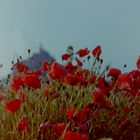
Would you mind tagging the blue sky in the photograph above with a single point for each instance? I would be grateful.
(113, 24)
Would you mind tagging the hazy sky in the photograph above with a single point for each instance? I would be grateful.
(114, 24)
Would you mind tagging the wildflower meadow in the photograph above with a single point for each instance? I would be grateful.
(80, 99)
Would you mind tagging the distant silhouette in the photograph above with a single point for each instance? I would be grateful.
(35, 60)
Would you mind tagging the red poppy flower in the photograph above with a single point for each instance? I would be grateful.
(59, 128)
(99, 98)
(31, 81)
(135, 73)
(138, 63)
(57, 71)
(13, 105)
(103, 85)
(16, 82)
(97, 51)
(136, 82)
(66, 56)
(114, 72)
(83, 52)
(20, 67)
(71, 80)
(125, 81)
(70, 67)
(83, 115)
(22, 124)
(72, 135)
(83, 81)
(82, 72)
(70, 113)
(45, 65)
(92, 79)
(79, 63)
